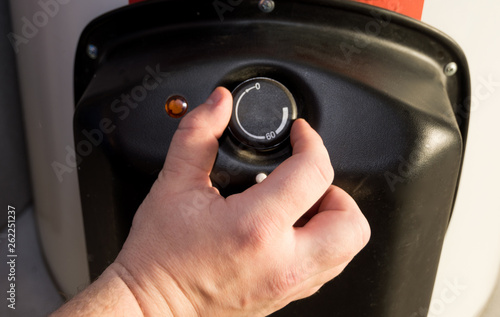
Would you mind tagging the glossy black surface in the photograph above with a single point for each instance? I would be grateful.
(369, 81)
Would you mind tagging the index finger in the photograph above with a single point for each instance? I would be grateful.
(299, 182)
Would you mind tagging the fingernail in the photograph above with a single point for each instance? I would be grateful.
(215, 97)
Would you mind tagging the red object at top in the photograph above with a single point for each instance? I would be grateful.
(411, 8)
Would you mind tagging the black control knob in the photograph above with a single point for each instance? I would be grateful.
(263, 113)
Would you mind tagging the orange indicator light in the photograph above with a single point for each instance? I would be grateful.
(176, 106)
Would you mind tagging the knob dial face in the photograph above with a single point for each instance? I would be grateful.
(263, 113)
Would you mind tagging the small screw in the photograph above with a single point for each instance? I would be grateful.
(450, 69)
(92, 51)
(266, 5)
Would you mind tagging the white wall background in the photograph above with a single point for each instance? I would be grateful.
(471, 256)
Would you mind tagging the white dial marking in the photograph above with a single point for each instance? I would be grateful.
(238, 117)
(258, 137)
(283, 121)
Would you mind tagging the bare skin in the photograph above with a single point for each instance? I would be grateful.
(192, 252)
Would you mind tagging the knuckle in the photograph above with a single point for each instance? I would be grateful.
(253, 230)
(283, 282)
(252, 233)
(335, 257)
(327, 253)
(334, 251)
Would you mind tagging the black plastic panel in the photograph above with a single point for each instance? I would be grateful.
(369, 81)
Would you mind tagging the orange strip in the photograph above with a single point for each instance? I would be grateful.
(411, 8)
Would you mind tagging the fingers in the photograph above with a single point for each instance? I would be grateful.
(194, 145)
(294, 186)
(335, 234)
(329, 241)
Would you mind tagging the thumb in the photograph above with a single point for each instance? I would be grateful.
(194, 145)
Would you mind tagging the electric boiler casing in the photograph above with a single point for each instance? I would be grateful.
(375, 85)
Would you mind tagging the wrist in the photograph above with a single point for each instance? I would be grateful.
(155, 294)
(123, 298)
(109, 295)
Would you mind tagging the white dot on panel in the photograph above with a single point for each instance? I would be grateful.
(260, 178)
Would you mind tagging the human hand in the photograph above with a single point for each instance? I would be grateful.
(192, 252)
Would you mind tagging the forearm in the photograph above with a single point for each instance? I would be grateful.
(107, 296)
